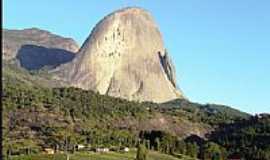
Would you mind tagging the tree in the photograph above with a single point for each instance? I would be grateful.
(168, 143)
(181, 147)
(157, 142)
(9, 151)
(141, 152)
(212, 151)
(192, 149)
(148, 144)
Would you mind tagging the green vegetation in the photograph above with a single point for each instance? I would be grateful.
(246, 138)
(36, 115)
(212, 114)
(14, 74)
(212, 150)
(192, 149)
(97, 156)
(141, 152)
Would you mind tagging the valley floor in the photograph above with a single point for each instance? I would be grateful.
(100, 156)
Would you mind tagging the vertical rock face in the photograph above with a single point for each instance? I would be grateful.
(124, 56)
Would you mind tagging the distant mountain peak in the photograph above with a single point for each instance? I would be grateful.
(36, 48)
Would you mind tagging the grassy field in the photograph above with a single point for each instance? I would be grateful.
(99, 156)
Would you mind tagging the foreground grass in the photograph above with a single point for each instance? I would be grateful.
(99, 156)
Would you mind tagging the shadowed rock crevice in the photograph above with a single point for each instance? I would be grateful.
(34, 57)
(168, 67)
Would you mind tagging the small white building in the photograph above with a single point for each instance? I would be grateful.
(126, 149)
(80, 146)
(49, 150)
(102, 150)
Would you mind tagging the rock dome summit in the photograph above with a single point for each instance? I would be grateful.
(124, 56)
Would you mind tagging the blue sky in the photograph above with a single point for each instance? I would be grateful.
(221, 49)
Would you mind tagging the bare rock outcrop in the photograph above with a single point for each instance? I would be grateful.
(124, 56)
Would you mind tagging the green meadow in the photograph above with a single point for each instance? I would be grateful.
(101, 156)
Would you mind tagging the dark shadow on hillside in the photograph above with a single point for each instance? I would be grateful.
(34, 57)
(195, 139)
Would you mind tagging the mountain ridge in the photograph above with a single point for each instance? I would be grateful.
(35, 48)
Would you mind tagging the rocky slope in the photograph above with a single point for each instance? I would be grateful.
(125, 57)
(35, 48)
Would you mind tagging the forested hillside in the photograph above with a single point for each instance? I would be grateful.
(37, 115)
(247, 138)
